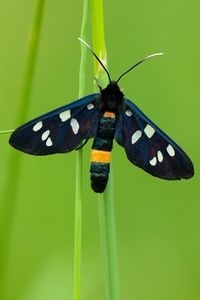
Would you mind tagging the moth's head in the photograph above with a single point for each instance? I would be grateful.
(112, 96)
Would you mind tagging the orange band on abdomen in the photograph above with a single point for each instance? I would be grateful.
(100, 156)
(109, 114)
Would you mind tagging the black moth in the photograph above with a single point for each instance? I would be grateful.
(105, 116)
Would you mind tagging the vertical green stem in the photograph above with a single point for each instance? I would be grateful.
(99, 40)
(9, 194)
(106, 201)
(108, 238)
(78, 196)
(78, 227)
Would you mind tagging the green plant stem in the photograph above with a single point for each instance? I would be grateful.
(6, 131)
(99, 46)
(106, 201)
(108, 238)
(9, 194)
(78, 196)
(78, 227)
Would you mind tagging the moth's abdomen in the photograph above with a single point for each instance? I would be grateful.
(101, 152)
(99, 169)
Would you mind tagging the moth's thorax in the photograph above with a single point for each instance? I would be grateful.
(111, 97)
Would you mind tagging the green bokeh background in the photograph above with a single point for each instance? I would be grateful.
(158, 222)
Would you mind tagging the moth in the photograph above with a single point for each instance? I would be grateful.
(105, 116)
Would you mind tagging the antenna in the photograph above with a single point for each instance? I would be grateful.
(138, 63)
(92, 51)
(131, 68)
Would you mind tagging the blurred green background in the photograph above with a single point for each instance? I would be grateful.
(158, 223)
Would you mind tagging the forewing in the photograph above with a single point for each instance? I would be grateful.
(60, 130)
(149, 147)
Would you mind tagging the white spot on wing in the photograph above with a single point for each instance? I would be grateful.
(170, 150)
(75, 126)
(90, 106)
(153, 161)
(149, 131)
(159, 156)
(128, 113)
(37, 126)
(65, 115)
(49, 142)
(45, 135)
(136, 136)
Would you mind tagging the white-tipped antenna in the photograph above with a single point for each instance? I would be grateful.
(138, 63)
(92, 51)
(109, 78)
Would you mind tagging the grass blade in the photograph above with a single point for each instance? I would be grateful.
(106, 201)
(78, 196)
(9, 194)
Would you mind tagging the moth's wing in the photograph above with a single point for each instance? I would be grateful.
(148, 147)
(60, 130)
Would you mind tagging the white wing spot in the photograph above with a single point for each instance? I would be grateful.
(153, 161)
(159, 156)
(65, 115)
(149, 131)
(37, 126)
(170, 150)
(75, 126)
(45, 135)
(128, 113)
(136, 136)
(49, 142)
(90, 106)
